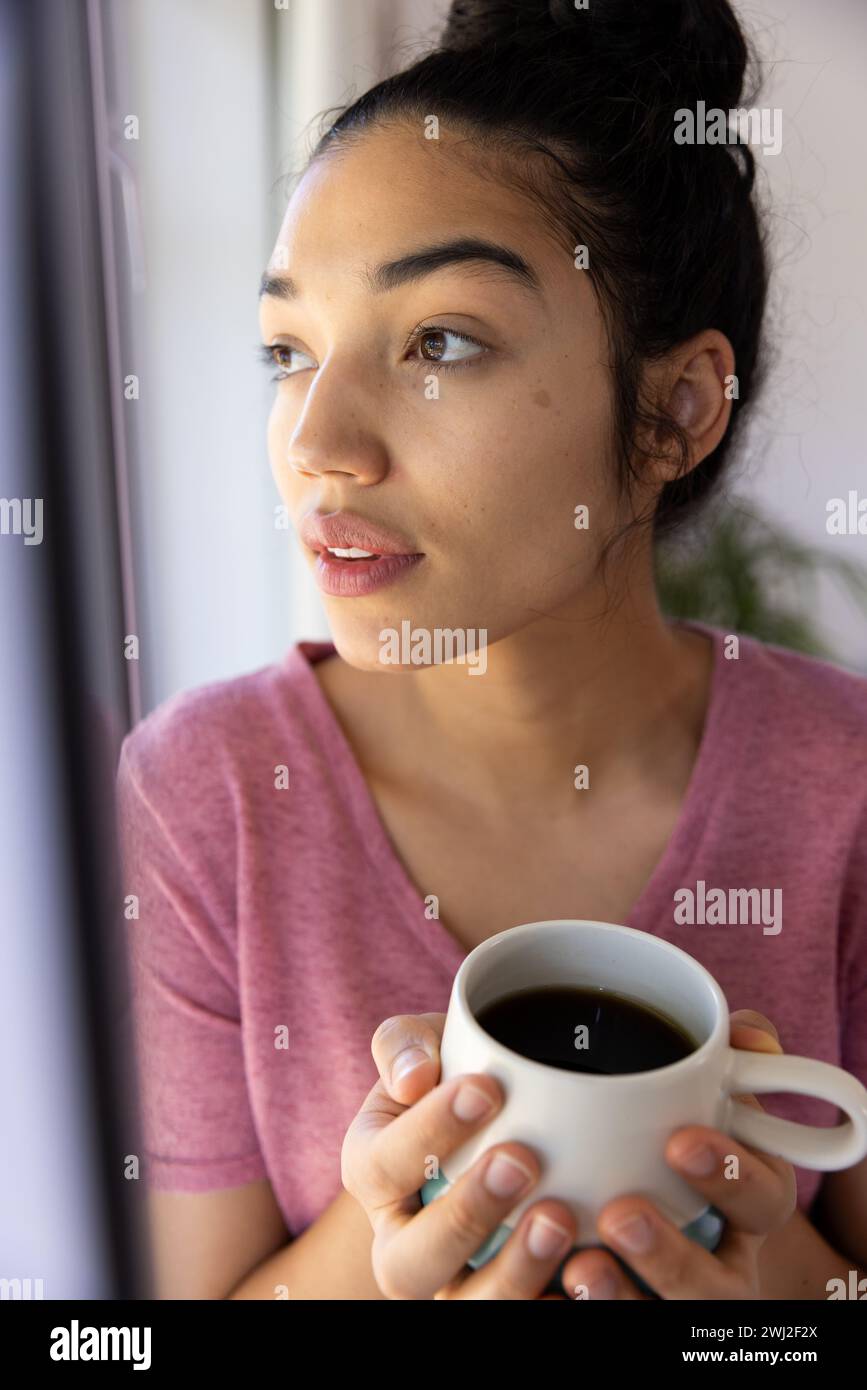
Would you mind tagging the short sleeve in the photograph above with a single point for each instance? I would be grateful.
(196, 1123)
(853, 1030)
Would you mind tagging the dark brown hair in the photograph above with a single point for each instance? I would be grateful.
(578, 107)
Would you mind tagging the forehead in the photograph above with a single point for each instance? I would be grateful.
(391, 189)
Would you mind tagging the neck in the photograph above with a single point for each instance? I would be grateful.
(609, 691)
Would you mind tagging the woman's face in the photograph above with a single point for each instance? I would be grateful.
(473, 455)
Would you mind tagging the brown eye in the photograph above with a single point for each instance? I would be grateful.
(435, 337)
(280, 355)
(432, 345)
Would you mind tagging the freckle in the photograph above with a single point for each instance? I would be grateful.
(541, 398)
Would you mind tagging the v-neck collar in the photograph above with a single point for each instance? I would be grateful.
(379, 847)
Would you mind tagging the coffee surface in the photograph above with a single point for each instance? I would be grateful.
(586, 1030)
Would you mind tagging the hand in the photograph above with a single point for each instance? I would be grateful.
(422, 1251)
(760, 1200)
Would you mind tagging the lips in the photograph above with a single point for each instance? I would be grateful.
(343, 531)
(388, 555)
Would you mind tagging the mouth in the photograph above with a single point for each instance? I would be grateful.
(356, 574)
(353, 553)
(354, 556)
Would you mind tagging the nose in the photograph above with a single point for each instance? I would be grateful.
(334, 432)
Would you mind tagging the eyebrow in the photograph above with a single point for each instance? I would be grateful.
(417, 264)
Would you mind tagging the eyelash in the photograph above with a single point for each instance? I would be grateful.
(267, 351)
(418, 333)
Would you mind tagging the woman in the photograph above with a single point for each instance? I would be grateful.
(515, 327)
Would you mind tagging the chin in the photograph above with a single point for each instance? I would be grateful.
(360, 647)
(394, 645)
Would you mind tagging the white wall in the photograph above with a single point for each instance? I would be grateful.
(810, 435)
(211, 568)
(227, 94)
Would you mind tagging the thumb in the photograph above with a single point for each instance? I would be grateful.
(406, 1051)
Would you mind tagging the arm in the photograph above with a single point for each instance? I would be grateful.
(839, 1216)
(797, 1261)
(232, 1243)
(202, 1243)
(329, 1260)
(840, 1211)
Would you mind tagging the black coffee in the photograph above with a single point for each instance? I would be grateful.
(589, 1030)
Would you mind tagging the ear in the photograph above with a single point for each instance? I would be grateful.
(692, 387)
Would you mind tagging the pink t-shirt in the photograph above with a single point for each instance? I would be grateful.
(278, 927)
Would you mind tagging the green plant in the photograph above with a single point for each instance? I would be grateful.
(744, 574)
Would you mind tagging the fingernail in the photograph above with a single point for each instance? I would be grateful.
(471, 1103)
(763, 1042)
(407, 1061)
(700, 1161)
(505, 1176)
(545, 1238)
(746, 1018)
(602, 1286)
(635, 1234)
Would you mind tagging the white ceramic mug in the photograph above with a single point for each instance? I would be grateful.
(599, 1137)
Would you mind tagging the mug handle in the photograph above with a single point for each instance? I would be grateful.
(812, 1146)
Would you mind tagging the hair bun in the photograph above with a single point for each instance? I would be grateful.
(683, 50)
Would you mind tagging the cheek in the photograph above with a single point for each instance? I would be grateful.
(516, 475)
(561, 436)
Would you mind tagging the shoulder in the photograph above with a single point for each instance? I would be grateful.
(797, 726)
(805, 693)
(206, 739)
